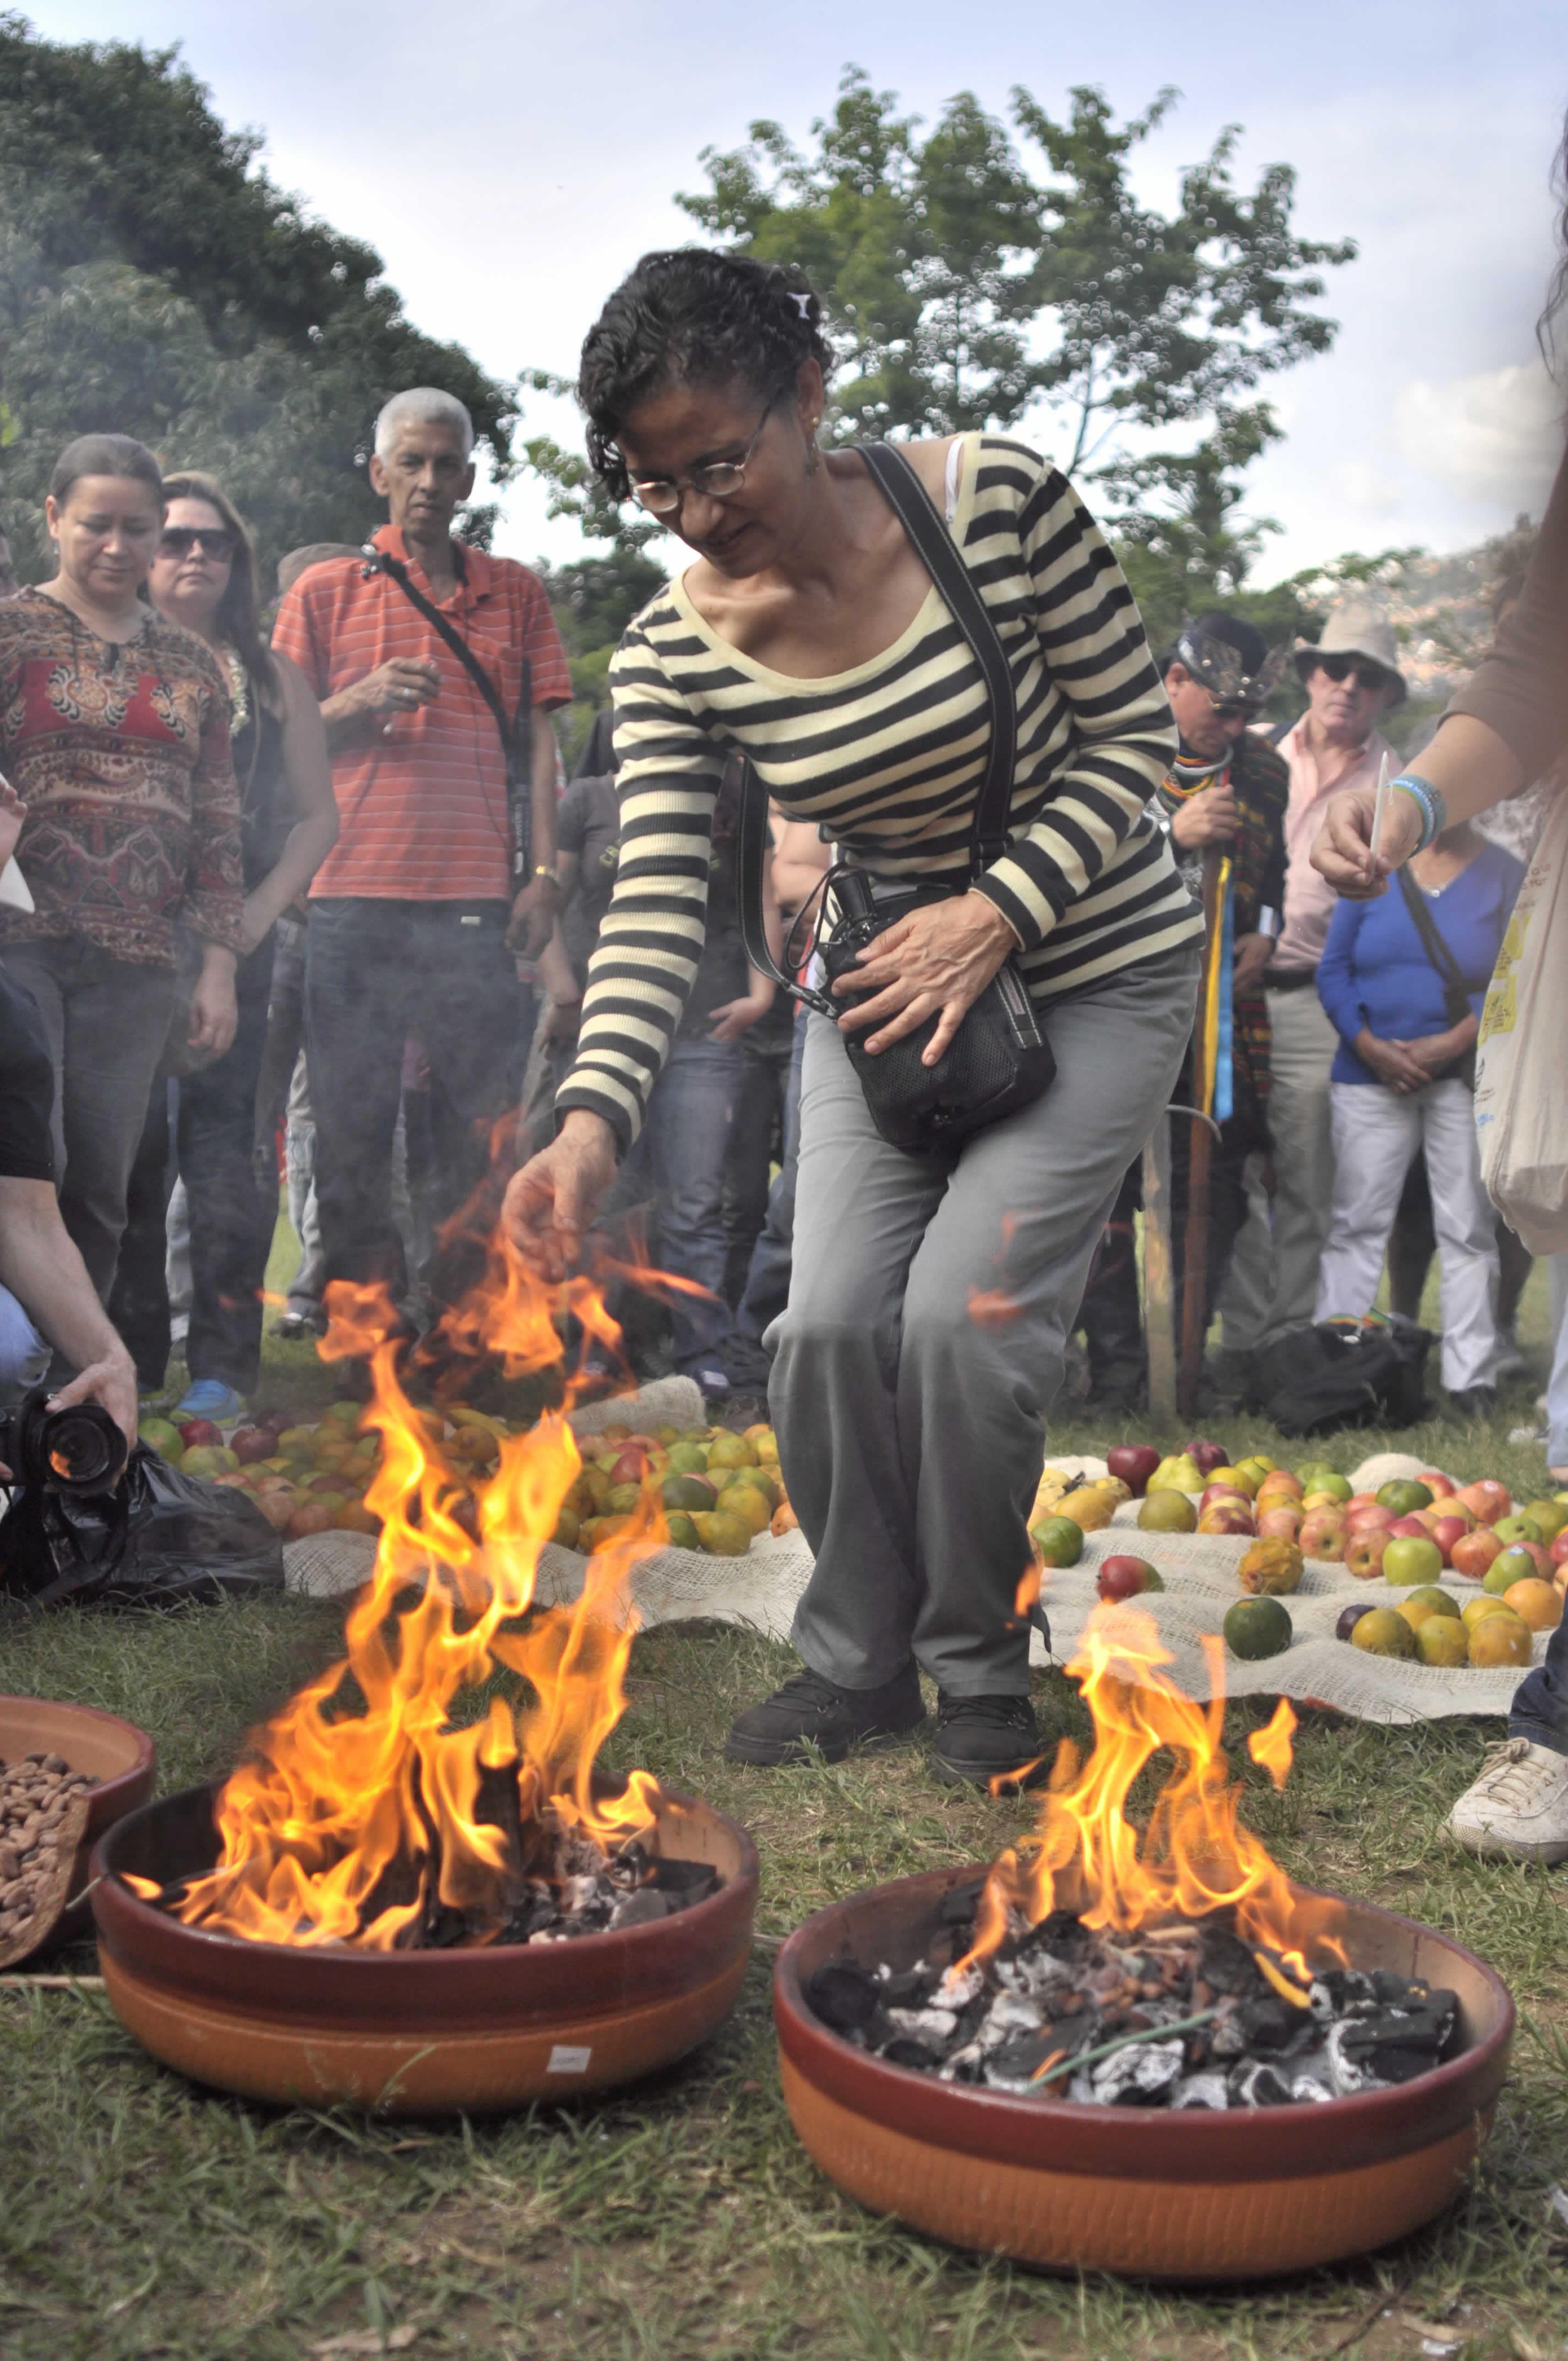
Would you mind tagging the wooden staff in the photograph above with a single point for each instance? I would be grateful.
(1195, 1249)
(1159, 1324)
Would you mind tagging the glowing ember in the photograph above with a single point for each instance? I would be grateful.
(388, 1827)
(1085, 1856)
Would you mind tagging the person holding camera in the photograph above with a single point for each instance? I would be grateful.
(932, 1286)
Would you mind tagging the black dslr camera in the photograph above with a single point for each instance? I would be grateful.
(79, 1450)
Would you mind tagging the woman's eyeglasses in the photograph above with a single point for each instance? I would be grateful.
(179, 540)
(718, 479)
(1367, 675)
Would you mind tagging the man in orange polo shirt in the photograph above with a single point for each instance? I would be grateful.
(418, 915)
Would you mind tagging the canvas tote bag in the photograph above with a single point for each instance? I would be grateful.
(1521, 1060)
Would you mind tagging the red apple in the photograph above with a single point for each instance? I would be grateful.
(1364, 1552)
(1473, 1553)
(194, 1431)
(1213, 1492)
(1133, 1464)
(251, 1443)
(1409, 1528)
(1361, 1500)
(1486, 1501)
(1281, 1522)
(1370, 1520)
(1557, 1551)
(631, 1466)
(1126, 1577)
(1436, 1481)
(1206, 1456)
(1226, 1517)
(1323, 1534)
(1446, 1532)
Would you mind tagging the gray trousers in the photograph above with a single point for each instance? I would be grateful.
(929, 1304)
(1273, 1279)
(106, 1021)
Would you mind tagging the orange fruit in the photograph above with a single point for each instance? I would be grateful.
(1536, 1603)
(1502, 1639)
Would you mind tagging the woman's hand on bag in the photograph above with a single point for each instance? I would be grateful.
(213, 1012)
(1392, 1062)
(941, 956)
(1342, 852)
(550, 1204)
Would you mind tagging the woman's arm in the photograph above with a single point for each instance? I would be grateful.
(1467, 762)
(1337, 986)
(315, 832)
(214, 900)
(738, 1017)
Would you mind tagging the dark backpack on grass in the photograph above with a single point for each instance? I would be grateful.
(1343, 1373)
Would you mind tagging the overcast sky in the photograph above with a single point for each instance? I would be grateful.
(510, 158)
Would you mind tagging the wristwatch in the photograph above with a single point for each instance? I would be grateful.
(548, 869)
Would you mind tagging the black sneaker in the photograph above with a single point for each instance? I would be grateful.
(809, 1711)
(981, 1739)
(1472, 1402)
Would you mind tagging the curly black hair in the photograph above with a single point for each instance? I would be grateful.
(695, 316)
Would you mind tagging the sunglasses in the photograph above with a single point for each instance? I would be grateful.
(179, 540)
(1367, 675)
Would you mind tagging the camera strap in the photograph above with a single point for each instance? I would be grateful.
(943, 560)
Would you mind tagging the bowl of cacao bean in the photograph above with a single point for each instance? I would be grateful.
(67, 1774)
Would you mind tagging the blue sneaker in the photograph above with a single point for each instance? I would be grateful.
(210, 1397)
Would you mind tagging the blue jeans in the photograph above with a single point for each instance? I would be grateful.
(1540, 1701)
(679, 1158)
(376, 972)
(767, 1280)
(23, 1354)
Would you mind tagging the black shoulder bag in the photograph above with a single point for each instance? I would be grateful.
(1455, 991)
(998, 1060)
(515, 743)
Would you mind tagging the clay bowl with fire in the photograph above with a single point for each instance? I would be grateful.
(398, 1900)
(1147, 2053)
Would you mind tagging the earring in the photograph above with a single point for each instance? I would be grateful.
(813, 455)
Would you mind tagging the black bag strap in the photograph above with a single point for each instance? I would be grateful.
(927, 527)
(514, 741)
(1456, 991)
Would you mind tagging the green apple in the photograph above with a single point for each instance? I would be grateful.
(1408, 1561)
(1520, 1528)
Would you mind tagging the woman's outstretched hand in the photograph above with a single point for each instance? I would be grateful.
(941, 956)
(551, 1203)
(1342, 852)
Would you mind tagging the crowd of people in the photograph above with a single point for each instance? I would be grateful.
(326, 883)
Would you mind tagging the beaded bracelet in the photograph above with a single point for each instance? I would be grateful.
(1433, 810)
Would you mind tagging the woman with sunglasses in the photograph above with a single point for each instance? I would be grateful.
(930, 1292)
(115, 731)
(203, 577)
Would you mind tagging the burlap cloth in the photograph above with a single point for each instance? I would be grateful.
(1200, 1571)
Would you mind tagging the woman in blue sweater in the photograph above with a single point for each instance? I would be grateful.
(1404, 1079)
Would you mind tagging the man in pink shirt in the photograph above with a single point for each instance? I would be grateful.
(1351, 679)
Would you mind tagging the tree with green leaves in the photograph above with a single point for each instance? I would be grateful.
(965, 288)
(154, 281)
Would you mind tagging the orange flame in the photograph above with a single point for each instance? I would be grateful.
(1271, 1749)
(1085, 1855)
(342, 1821)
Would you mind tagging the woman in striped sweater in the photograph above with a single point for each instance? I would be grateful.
(930, 1293)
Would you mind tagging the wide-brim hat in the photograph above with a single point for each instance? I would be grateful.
(1356, 631)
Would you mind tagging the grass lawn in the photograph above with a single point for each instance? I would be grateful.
(144, 2217)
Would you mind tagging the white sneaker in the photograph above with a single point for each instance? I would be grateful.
(1517, 1809)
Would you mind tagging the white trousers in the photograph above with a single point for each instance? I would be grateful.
(1375, 1137)
(1272, 1276)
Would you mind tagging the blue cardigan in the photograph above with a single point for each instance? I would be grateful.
(1374, 970)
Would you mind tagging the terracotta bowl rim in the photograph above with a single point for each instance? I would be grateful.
(1124, 2143)
(146, 1758)
(113, 1900)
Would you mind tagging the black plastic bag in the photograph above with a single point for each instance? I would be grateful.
(158, 1538)
(1343, 1373)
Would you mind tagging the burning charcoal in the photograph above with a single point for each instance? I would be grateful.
(905, 2051)
(1307, 2091)
(1338, 1992)
(1207, 2090)
(935, 2025)
(957, 1907)
(911, 1989)
(1258, 2086)
(640, 1910)
(1272, 2025)
(1144, 2074)
(843, 1995)
(1015, 2063)
(1369, 2052)
(1228, 1965)
(958, 1988)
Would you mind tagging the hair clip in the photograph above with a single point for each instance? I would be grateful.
(804, 302)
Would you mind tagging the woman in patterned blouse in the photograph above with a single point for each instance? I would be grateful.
(114, 730)
(930, 1292)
